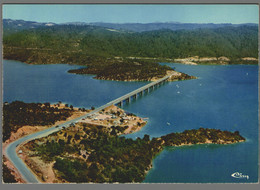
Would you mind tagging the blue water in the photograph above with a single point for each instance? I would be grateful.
(52, 83)
(224, 97)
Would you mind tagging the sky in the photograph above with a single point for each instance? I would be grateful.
(61, 13)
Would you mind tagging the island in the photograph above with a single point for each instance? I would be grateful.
(95, 149)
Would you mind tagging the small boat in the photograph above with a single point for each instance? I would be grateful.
(246, 73)
(168, 123)
(200, 84)
(177, 85)
(178, 92)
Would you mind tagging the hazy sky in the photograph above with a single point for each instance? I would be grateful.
(134, 13)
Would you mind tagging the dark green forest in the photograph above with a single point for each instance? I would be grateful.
(18, 114)
(112, 158)
(125, 71)
(89, 44)
(7, 176)
(121, 55)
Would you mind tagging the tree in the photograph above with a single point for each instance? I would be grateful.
(61, 142)
(92, 171)
(7, 175)
(76, 137)
(47, 104)
(146, 137)
(236, 133)
(69, 138)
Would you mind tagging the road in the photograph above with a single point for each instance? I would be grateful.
(26, 173)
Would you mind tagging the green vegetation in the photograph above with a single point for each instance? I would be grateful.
(7, 175)
(128, 70)
(89, 153)
(111, 55)
(18, 114)
(201, 136)
(108, 158)
(74, 43)
(78, 44)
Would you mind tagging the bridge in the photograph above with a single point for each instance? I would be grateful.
(127, 97)
(25, 172)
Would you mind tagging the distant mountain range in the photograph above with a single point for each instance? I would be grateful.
(10, 25)
(17, 25)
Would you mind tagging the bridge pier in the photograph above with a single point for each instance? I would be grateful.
(139, 92)
(120, 103)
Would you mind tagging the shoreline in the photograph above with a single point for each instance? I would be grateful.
(137, 129)
(176, 76)
(151, 166)
(29, 130)
(26, 131)
(36, 167)
(222, 60)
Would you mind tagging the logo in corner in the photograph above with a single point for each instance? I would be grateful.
(239, 175)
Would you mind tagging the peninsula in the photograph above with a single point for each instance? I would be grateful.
(93, 149)
(87, 153)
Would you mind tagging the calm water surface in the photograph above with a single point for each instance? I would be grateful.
(224, 97)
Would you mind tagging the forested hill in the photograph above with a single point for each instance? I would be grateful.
(12, 26)
(73, 43)
(142, 27)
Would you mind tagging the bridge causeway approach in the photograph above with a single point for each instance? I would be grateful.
(25, 172)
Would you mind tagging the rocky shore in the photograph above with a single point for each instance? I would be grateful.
(215, 60)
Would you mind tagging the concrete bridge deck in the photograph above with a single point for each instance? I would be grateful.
(134, 93)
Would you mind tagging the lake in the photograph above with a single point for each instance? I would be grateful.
(223, 97)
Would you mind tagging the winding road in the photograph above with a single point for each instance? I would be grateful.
(26, 173)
